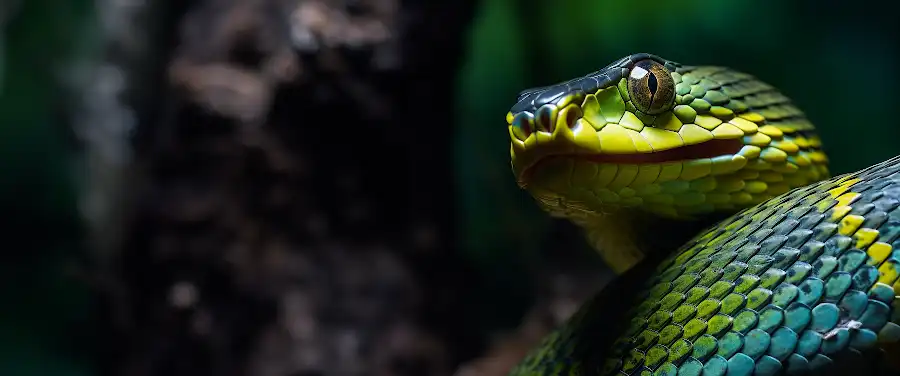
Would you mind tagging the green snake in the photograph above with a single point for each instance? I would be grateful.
(708, 192)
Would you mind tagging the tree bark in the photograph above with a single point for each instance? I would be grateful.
(293, 213)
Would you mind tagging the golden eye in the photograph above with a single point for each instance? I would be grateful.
(651, 87)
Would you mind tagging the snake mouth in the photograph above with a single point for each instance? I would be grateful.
(708, 149)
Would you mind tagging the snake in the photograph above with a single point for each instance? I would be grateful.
(708, 193)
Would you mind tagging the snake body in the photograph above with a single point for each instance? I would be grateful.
(797, 272)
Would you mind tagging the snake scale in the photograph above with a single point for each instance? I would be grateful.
(709, 193)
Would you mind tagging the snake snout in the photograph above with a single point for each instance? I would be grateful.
(547, 119)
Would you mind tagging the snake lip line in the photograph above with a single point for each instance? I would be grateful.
(708, 149)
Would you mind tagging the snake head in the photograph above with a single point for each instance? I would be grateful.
(648, 133)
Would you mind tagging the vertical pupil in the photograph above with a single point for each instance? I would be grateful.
(652, 84)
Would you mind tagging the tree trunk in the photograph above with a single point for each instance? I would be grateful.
(293, 212)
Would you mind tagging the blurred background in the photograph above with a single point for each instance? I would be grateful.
(322, 187)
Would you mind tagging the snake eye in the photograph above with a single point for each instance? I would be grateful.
(651, 87)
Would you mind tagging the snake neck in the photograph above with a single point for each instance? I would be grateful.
(623, 238)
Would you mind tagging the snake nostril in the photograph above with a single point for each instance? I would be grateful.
(545, 118)
(572, 116)
(522, 126)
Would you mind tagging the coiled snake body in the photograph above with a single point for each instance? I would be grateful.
(709, 193)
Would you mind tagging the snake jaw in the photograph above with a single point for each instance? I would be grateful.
(566, 173)
(601, 129)
(716, 148)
